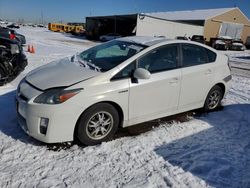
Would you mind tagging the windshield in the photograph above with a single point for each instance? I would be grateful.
(108, 55)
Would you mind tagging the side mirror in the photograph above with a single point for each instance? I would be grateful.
(141, 73)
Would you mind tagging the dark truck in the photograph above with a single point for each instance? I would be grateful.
(12, 60)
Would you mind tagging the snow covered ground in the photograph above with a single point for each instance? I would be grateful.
(240, 62)
(204, 150)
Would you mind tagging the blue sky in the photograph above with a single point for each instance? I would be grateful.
(77, 10)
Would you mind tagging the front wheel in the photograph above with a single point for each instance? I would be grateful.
(213, 99)
(99, 123)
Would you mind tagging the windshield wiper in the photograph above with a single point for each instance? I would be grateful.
(94, 66)
(88, 64)
(76, 59)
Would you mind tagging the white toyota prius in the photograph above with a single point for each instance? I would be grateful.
(118, 84)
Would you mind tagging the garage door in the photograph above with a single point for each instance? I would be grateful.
(232, 30)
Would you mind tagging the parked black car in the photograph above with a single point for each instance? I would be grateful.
(6, 33)
(237, 45)
(181, 38)
(220, 44)
(198, 38)
(14, 26)
(12, 60)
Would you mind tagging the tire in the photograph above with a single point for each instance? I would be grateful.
(213, 100)
(99, 123)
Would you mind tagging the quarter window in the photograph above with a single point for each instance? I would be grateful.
(161, 59)
(211, 56)
(125, 72)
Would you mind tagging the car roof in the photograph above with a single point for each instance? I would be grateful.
(144, 40)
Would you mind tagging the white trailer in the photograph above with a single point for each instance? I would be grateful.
(152, 26)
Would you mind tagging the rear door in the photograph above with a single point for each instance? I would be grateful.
(197, 72)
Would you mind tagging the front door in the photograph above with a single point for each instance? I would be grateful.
(157, 96)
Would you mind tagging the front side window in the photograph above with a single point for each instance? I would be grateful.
(108, 55)
(160, 59)
(193, 55)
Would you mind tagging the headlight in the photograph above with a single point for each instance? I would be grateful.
(14, 48)
(56, 96)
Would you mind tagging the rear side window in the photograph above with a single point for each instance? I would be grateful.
(193, 55)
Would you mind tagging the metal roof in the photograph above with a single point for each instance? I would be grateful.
(202, 14)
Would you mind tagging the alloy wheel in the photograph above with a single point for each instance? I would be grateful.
(99, 125)
(214, 99)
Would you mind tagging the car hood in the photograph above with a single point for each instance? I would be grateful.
(61, 73)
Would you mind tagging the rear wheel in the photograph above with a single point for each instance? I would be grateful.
(213, 99)
(98, 124)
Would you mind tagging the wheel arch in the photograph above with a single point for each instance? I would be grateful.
(221, 85)
(114, 104)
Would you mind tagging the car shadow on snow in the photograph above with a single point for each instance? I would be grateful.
(144, 127)
(8, 120)
(219, 155)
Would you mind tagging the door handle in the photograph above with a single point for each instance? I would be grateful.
(174, 80)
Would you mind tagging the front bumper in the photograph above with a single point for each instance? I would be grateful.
(62, 119)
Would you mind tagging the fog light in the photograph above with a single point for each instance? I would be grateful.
(44, 122)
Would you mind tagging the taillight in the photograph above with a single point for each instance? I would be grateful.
(12, 36)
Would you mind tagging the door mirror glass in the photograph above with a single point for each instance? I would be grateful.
(141, 73)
